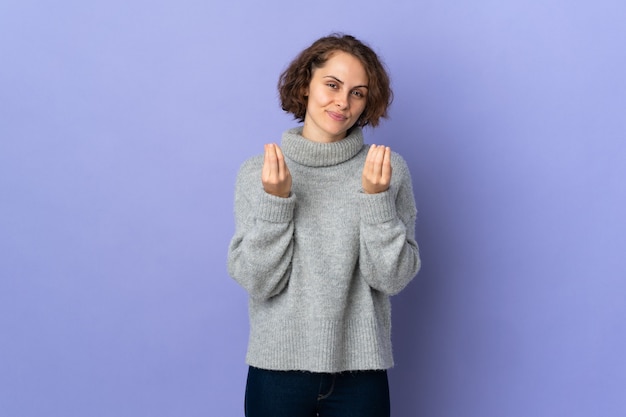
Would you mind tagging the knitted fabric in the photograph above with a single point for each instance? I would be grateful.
(320, 265)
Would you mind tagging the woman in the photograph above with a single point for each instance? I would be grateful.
(324, 235)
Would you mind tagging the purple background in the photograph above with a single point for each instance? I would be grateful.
(123, 124)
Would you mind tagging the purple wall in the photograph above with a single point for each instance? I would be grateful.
(123, 124)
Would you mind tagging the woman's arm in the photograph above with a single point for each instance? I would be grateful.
(260, 252)
(389, 256)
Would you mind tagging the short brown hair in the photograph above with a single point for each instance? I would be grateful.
(294, 81)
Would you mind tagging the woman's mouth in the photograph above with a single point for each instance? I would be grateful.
(337, 116)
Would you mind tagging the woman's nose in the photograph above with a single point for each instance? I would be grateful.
(341, 101)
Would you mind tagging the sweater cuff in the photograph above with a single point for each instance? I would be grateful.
(377, 208)
(276, 209)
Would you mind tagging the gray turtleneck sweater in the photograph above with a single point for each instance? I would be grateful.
(320, 265)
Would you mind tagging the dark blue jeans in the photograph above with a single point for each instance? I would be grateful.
(308, 394)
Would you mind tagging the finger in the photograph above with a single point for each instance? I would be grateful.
(283, 171)
(386, 166)
(376, 162)
(266, 162)
(370, 161)
(371, 151)
(380, 156)
(270, 166)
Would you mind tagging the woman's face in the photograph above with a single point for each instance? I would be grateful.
(337, 95)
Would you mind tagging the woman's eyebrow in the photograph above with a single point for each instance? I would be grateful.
(341, 82)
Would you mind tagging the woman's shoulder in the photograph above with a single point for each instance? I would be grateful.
(398, 161)
(253, 163)
(249, 173)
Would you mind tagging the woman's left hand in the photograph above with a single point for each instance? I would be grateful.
(377, 170)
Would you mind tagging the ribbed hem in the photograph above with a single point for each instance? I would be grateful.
(377, 208)
(276, 209)
(321, 346)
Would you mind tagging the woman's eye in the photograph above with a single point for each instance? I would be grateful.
(332, 85)
(357, 93)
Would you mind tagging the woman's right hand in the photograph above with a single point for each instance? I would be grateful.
(275, 175)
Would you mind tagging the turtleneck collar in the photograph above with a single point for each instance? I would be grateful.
(316, 154)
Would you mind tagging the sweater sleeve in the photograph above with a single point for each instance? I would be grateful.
(260, 252)
(389, 256)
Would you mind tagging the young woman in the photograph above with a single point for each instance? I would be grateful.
(324, 235)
